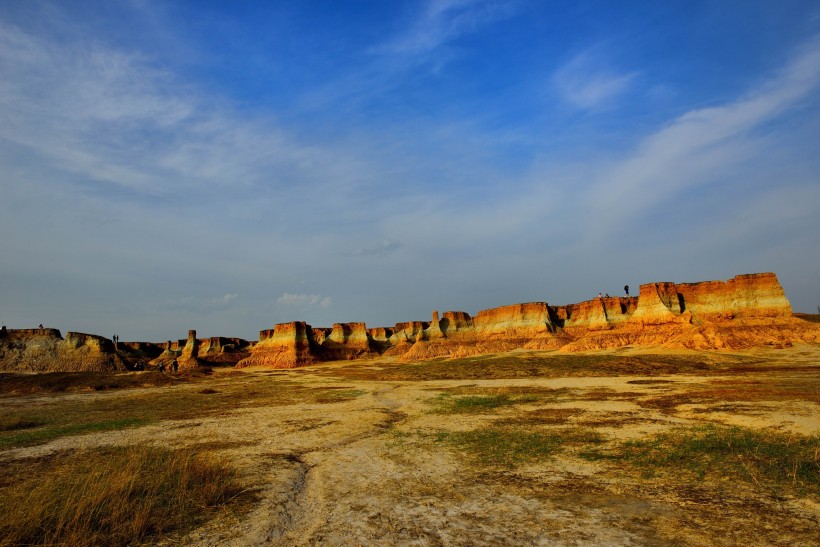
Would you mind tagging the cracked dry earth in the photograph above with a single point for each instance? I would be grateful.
(369, 468)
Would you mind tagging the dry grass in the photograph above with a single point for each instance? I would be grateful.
(50, 417)
(113, 496)
(13, 383)
(774, 462)
(539, 364)
(735, 391)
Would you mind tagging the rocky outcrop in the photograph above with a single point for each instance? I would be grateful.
(168, 355)
(287, 345)
(347, 341)
(220, 350)
(188, 358)
(751, 295)
(745, 311)
(45, 350)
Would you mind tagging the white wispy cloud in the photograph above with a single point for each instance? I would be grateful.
(441, 21)
(587, 83)
(115, 117)
(705, 144)
(303, 302)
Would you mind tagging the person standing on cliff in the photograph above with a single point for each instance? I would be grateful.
(626, 289)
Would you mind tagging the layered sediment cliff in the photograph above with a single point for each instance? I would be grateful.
(287, 345)
(45, 350)
(745, 311)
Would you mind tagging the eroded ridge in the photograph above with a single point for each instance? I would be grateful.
(745, 311)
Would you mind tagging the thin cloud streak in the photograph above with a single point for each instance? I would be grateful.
(586, 84)
(445, 20)
(704, 144)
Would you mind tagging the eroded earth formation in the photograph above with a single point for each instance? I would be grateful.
(745, 311)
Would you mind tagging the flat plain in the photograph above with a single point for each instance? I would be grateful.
(618, 447)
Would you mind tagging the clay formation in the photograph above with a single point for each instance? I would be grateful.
(745, 311)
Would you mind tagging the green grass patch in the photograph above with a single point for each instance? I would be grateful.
(470, 404)
(113, 496)
(510, 447)
(772, 461)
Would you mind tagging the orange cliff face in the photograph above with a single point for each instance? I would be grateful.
(745, 311)
(287, 345)
(658, 303)
(750, 295)
(515, 320)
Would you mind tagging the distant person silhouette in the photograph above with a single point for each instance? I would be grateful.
(626, 289)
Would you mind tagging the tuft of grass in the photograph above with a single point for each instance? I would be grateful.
(115, 496)
(445, 404)
(772, 461)
(510, 447)
(470, 403)
(502, 447)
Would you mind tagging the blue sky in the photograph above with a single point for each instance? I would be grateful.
(225, 167)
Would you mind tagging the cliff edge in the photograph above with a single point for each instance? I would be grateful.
(746, 311)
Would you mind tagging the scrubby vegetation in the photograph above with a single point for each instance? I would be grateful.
(509, 447)
(773, 461)
(113, 496)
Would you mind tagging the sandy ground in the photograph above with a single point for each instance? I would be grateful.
(367, 470)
